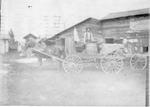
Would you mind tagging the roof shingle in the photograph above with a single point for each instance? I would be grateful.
(127, 13)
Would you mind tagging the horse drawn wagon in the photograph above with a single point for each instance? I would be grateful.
(110, 58)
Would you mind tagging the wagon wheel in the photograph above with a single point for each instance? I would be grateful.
(111, 64)
(72, 64)
(138, 62)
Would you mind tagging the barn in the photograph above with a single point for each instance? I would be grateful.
(66, 37)
(129, 27)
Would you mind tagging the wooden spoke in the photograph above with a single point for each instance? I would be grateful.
(111, 64)
(72, 64)
(138, 62)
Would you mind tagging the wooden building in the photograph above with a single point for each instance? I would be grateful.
(4, 44)
(30, 42)
(130, 28)
(4, 38)
(66, 37)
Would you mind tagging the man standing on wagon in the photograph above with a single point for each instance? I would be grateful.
(88, 36)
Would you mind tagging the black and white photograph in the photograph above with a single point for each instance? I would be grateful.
(74, 53)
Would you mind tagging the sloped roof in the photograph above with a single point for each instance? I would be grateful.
(84, 21)
(145, 11)
(29, 35)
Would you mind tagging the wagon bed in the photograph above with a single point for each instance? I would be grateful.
(112, 62)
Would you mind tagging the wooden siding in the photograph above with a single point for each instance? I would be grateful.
(118, 28)
(115, 23)
(81, 30)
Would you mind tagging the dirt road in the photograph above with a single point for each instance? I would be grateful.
(31, 84)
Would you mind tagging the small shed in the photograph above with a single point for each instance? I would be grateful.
(30, 42)
(30, 36)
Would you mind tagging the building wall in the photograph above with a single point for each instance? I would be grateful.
(81, 30)
(68, 35)
(4, 46)
(134, 29)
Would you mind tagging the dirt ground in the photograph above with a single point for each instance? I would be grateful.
(31, 84)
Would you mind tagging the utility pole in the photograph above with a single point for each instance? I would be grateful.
(58, 24)
(0, 15)
(57, 21)
(46, 26)
(147, 85)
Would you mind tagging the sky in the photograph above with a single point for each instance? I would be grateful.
(40, 18)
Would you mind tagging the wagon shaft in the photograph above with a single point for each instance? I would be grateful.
(47, 55)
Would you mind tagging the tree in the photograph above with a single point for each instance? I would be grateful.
(12, 43)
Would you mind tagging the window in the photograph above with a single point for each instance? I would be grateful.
(112, 40)
(109, 40)
(145, 49)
